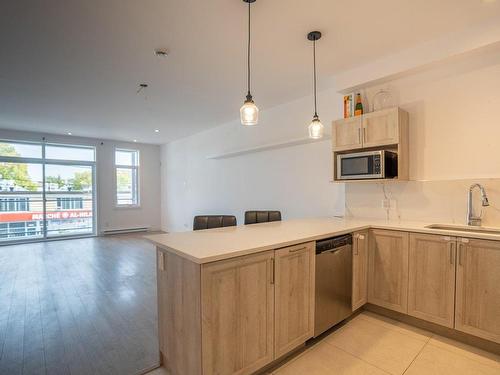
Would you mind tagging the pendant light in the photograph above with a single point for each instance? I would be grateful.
(249, 113)
(316, 128)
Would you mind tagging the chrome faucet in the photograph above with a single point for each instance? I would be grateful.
(471, 219)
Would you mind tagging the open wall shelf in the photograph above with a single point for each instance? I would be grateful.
(267, 147)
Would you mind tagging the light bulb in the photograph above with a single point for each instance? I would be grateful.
(249, 113)
(316, 128)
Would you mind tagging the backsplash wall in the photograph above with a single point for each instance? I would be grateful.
(430, 201)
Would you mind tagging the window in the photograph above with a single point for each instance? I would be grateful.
(46, 190)
(127, 177)
(69, 203)
(14, 204)
(20, 149)
(69, 152)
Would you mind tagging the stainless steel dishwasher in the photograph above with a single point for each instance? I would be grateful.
(333, 282)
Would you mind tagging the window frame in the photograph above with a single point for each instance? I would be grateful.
(137, 179)
(7, 203)
(70, 203)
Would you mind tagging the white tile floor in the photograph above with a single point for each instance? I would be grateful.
(374, 345)
(371, 344)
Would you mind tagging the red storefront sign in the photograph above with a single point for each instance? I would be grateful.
(51, 215)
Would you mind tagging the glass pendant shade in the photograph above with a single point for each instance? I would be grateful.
(249, 113)
(316, 128)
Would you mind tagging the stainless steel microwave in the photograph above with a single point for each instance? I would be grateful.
(367, 165)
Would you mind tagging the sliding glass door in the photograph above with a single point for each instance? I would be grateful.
(69, 206)
(46, 191)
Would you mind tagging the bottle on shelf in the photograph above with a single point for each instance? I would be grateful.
(358, 110)
(348, 111)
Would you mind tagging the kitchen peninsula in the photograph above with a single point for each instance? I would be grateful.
(234, 300)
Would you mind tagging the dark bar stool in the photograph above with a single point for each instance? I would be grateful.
(213, 221)
(254, 217)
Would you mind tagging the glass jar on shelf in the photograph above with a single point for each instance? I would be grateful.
(382, 100)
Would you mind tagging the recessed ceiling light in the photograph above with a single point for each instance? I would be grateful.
(157, 130)
(135, 140)
(161, 52)
(69, 133)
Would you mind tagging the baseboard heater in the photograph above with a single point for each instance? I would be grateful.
(125, 230)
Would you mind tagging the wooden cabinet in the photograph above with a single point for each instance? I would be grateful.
(381, 128)
(478, 288)
(347, 134)
(179, 323)
(359, 269)
(386, 129)
(235, 316)
(238, 314)
(388, 269)
(294, 296)
(431, 281)
(374, 129)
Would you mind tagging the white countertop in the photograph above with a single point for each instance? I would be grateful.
(210, 245)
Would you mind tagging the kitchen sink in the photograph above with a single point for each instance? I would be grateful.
(465, 228)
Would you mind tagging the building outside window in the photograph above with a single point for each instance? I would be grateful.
(127, 177)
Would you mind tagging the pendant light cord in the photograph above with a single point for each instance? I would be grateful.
(314, 69)
(248, 54)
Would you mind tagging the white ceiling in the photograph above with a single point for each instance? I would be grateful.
(74, 66)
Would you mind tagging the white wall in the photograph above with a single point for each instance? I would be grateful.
(295, 180)
(110, 217)
(454, 142)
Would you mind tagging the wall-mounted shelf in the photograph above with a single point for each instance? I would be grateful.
(267, 147)
(371, 181)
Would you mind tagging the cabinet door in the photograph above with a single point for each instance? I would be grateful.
(431, 288)
(238, 314)
(381, 128)
(388, 269)
(294, 297)
(359, 269)
(478, 288)
(346, 134)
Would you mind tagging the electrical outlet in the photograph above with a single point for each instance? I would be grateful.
(386, 204)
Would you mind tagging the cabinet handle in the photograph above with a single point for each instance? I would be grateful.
(296, 250)
(272, 270)
(161, 261)
(364, 135)
(359, 135)
(451, 245)
(460, 247)
(356, 244)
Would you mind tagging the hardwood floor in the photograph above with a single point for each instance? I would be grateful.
(83, 306)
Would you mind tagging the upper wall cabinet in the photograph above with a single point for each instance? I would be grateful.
(388, 127)
(347, 134)
(381, 130)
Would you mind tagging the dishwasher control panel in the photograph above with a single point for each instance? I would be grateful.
(333, 243)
